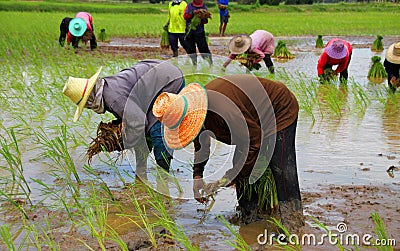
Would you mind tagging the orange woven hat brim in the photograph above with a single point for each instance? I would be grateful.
(192, 123)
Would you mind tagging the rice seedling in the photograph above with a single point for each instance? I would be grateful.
(141, 219)
(377, 45)
(164, 44)
(57, 150)
(377, 72)
(289, 246)
(382, 233)
(103, 37)
(360, 97)
(175, 231)
(41, 236)
(238, 243)
(94, 218)
(319, 43)
(282, 52)
(16, 184)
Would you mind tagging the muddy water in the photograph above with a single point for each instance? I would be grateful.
(350, 150)
(353, 150)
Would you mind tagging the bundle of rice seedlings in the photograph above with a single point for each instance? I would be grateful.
(247, 59)
(164, 44)
(281, 51)
(109, 137)
(196, 20)
(319, 43)
(265, 189)
(222, 7)
(103, 37)
(377, 45)
(377, 70)
(329, 75)
(88, 35)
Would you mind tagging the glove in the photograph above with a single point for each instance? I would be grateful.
(198, 185)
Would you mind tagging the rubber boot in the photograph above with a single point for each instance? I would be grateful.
(175, 53)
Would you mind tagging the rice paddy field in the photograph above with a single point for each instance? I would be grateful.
(52, 199)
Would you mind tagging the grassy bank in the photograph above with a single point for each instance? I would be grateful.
(279, 23)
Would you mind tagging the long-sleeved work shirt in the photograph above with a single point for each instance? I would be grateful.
(243, 110)
(130, 95)
(262, 42)
(342, 63)
(89, 23)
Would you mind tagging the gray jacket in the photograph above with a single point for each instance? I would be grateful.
(130, 94)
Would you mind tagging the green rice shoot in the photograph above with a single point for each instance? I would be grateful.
(281, 51)
(319, 43)
(377, 45)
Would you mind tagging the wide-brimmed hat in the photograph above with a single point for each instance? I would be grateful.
(78, 90)
(336, 50)
(393, 53)
(239, 44)
(77, 27)
(182, 114)
(197, 3)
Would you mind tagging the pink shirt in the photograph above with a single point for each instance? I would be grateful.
(342, 63)
(262, 42)
(88, 19)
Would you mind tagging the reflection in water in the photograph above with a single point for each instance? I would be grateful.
(391, 122)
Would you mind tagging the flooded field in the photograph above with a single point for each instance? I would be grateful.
(347, 138)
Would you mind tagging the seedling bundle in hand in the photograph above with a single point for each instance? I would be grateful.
(103, 36)
(248, 59)
(109, 137)
(196, 20)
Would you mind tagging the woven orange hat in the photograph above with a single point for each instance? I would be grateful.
(182, 114)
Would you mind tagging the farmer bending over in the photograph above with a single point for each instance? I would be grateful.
(129, 96)
(337, 52)
(259, 117)
(81, 27)
(392, 66)
(260, 43)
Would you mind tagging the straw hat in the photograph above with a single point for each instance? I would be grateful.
(182, 114)
(336, 50)
(239, 44)
(393, 53)
(77, 27)
(79, 89)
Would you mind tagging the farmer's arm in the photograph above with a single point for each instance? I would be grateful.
(201, 154)
(260, 54)
(229, 60)
(134, 122)
(188, 14)
(322, 61)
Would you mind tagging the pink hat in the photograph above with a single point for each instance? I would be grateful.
(336, 50)
(197, 3)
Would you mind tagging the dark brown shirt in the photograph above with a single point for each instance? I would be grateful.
(243, 110)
